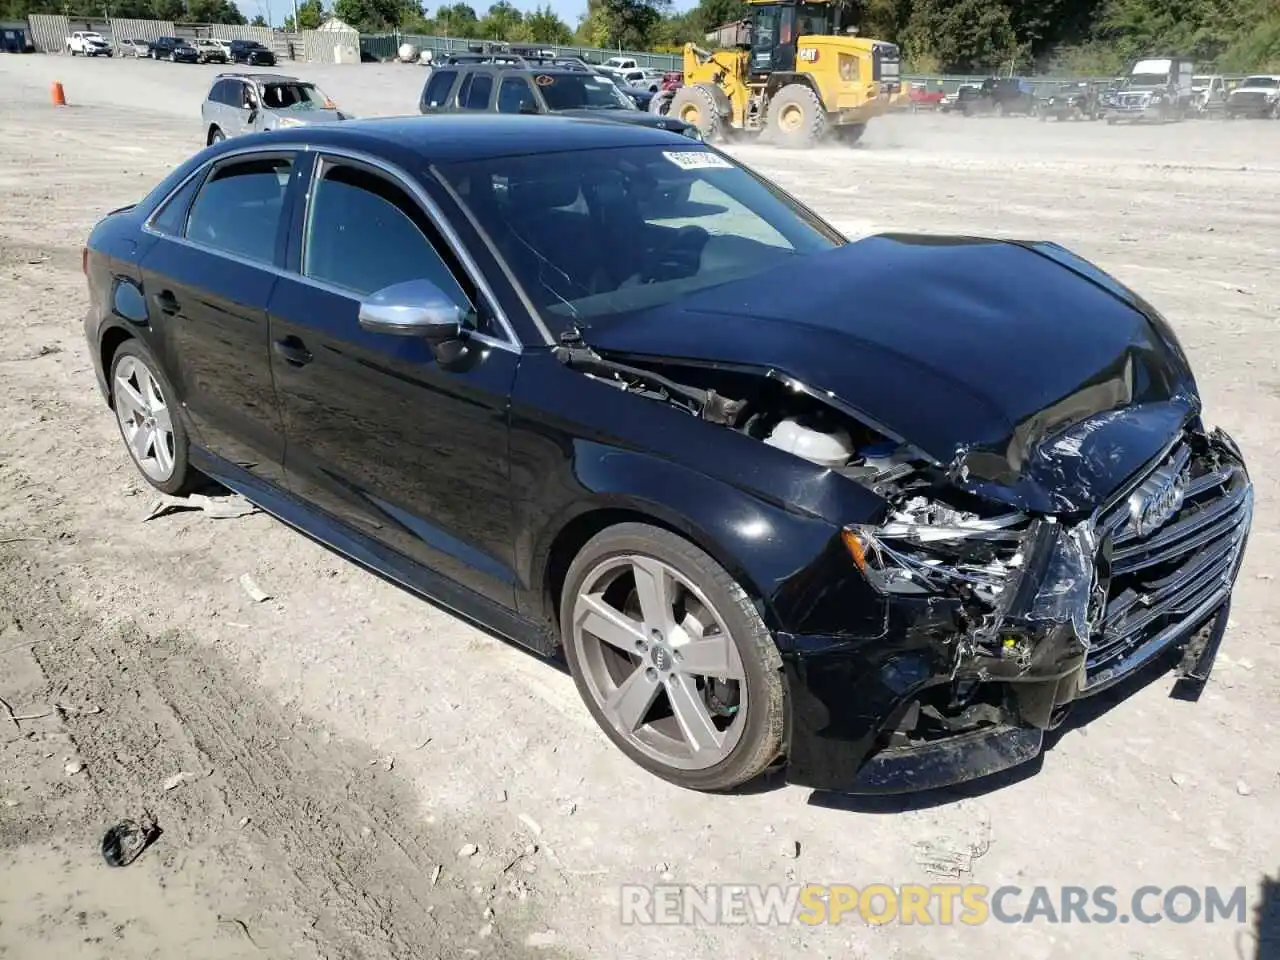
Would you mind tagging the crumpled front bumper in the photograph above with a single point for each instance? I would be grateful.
(923, 706)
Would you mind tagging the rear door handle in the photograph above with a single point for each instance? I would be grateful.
(167, 302)
(293, 351)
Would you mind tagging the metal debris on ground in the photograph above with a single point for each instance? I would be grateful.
(252, 590)
(123, 843)
(219, 508)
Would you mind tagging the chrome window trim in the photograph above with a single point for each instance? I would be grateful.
(431, 210)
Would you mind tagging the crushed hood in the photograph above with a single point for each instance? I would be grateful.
(1039, 378)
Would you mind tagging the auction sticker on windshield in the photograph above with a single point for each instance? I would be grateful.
(697, 160)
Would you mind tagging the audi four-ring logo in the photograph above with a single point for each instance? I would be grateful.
(1157, 501)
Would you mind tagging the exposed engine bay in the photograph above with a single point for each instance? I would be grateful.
(935, 539)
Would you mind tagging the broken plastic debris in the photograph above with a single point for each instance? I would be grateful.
(252, 590)
(123, 843)
(219, 508)
(178, 779)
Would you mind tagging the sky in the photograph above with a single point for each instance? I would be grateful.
(568, 10)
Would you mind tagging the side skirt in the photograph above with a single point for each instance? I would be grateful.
(390, 565)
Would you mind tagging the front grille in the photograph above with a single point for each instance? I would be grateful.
(1249, 96)
(1164, 583)
(1132, 100)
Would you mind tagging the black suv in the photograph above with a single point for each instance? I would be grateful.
(251, 52)
(173, 48)
(509, 84)
(998, 96)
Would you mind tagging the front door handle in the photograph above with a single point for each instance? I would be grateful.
(167, 302)
(293, 351)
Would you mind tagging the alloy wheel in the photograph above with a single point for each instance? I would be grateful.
(144, 417)
(659, 662)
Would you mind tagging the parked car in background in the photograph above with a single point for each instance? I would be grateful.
(1001, 96)
(135, 48)
(1256, 96)
(920, 97)
(964, 94)
(240, 103)
(1208, 96)
(570, 88)
(210, 51)
(88, 43)
(599, 389)
(251, 52)
(174, 49)
(646, 79)
(1071, 101)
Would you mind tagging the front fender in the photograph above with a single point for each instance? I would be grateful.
(591, 455)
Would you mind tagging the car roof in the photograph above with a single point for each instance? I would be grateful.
(451, 138)
(260, 77)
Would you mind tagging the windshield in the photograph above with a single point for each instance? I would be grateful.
(580, 91)
(1260, 82)
(602, 233)
(293, 96)
(1147, 80)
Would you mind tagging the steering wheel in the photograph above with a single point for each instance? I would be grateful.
(679, 257)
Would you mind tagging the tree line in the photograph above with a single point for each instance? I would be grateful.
(936, 36)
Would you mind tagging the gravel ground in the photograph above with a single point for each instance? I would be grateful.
(344, 746)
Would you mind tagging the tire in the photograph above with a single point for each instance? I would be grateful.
(173, 57)
(797, 117)
(167, 467)
(215, 136)
(743, 738)
(697, 106)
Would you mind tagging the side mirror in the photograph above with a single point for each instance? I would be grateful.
(415, 308)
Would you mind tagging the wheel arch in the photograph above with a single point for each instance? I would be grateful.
(109, 344)
(781, 79)
(208, 137)
(763, 546)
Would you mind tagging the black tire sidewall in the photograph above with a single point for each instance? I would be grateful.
(183, 477)
(766, 695)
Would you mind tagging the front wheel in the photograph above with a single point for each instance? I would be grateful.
(672, 658)
(796, 116)
(215, 136)
(149, 424)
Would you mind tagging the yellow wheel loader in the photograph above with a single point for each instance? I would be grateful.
(794, 75)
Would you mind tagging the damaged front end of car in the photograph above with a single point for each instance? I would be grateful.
(1032, 613)
(1007, 583)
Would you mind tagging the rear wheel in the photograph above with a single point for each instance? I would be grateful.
(149, 424)
(697, 106)
(796, 116)
(672, 658)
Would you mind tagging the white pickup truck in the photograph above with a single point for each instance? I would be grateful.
(88, 43)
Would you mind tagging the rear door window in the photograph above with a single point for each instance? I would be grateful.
(477, 94)
(239, 208)
(437, 89)
(515, 94)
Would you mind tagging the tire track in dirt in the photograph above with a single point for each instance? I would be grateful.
(335, 861)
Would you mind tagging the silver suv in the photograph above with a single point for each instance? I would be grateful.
(240, 103)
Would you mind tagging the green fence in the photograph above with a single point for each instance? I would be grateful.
(384, 46)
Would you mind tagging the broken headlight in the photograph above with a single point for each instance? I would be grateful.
(927, 547)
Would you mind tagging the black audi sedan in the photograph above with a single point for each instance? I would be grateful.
(878, 511)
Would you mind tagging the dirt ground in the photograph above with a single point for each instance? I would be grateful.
(319, 762)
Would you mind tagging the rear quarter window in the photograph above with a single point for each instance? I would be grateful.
(436, 92)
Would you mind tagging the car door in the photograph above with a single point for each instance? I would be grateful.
(380, 435)
(208, 278)
(515, 95)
